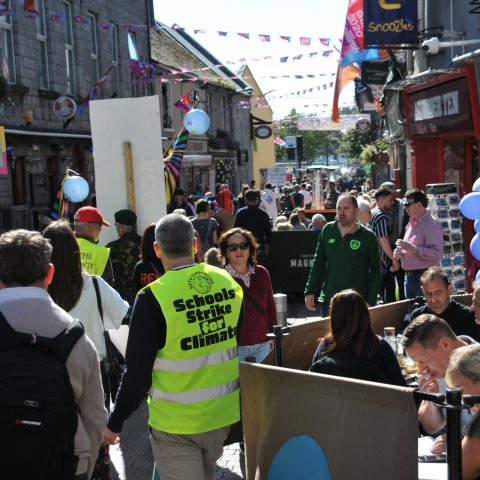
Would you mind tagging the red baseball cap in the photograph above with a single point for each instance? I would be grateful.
(90, 215)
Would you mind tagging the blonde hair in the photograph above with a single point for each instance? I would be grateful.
(466, 362)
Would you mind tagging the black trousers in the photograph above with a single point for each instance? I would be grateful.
(387, 289)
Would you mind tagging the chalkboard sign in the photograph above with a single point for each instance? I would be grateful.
(289, 260)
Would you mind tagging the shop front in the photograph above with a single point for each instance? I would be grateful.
(443, 121)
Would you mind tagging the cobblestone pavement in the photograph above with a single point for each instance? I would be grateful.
(132, 458)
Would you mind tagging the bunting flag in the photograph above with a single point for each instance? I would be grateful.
(264, 38)
(199, 31)
(183, 104)
(285, 37)
(29, 6)
(172, 161)
(223, 34)
(277, 140)
(305, 41)
(91, 96)
(325, 41)
(244, 35)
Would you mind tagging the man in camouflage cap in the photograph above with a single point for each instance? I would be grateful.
(125, 253)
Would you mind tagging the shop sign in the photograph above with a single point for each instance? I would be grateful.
(390, 22)
(441, 108)
(263, 132)
(65, 107)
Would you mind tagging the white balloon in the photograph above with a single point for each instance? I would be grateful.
(476, 185)
(196, 121)
(75, 189)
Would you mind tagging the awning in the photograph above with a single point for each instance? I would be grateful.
(36, 133)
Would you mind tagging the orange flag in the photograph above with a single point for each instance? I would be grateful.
(344, 77)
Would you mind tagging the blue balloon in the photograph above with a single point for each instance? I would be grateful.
(476, 185)
(470, 206)
(75, 189)
(476, 226)
(196, 121)
(475, 246)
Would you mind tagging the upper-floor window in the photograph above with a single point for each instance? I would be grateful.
(167, 105)
(69, 53)
(6, 45)
(115, 61)
(93, 46)
(222, 113)
(41, 31)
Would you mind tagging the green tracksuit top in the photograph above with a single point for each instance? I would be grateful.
(352, 261)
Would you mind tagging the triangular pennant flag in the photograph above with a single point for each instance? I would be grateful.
(283, 59)
(305, 41)
(198, 31)
(264, 38)
(311, 54)
(325, 41)
(297, 57)
(222, 34)
(285, 37)
(327, 53)
(244, 35)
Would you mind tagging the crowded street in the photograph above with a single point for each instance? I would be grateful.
(239, 241)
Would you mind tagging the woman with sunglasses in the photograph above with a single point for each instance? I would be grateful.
(239, 250)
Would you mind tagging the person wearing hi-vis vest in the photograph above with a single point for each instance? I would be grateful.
(182, 349)
(88, 222)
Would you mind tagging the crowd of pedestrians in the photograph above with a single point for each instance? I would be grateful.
(197, 298)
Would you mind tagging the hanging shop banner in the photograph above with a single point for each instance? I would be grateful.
(3, 158)
(390, 22)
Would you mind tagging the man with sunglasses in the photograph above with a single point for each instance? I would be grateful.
(422, 244)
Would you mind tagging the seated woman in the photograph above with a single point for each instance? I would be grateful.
(352, 349)
(463, 372)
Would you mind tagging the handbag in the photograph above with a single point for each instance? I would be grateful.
(111, 361)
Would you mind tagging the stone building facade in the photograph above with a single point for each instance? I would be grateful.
(61, 51)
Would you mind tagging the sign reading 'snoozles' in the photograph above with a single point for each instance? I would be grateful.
(390, 22)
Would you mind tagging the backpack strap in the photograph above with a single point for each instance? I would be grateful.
(61, 345)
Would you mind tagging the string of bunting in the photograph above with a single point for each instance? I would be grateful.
(31, 12)
(302, 40)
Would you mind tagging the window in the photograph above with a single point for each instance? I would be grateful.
(166, 105)
(222, 113)
(40, 26)
(6, 45)
(208, 109)
(69, 54)
(93, 47)
(115, 71)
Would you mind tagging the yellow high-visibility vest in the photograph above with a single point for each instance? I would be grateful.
(94, 257)
(195, 378)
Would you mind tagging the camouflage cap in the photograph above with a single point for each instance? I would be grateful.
(125, 217)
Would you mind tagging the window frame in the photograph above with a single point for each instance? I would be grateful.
(6, 28)
(42, 40)
(69, 48)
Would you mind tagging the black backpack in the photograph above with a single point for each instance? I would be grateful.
(38, 410)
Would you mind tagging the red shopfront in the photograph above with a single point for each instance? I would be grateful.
(443, 121)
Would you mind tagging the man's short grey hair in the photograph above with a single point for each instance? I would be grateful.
(466, 361)
(318, 220)
(80, 228)
(174, 235)
(364, 206)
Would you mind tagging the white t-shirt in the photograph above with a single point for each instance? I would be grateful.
(269, 203)
(307, 197)
(86, 310)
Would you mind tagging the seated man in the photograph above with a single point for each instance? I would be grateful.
(437, 290)
(430, 341)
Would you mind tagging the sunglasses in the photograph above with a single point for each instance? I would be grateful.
(233, 247)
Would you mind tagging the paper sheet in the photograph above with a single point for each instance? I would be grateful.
(119, 338)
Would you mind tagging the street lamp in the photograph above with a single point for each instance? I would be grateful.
(432, 46)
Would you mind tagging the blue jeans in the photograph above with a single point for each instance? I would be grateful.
(259, 351)
(413, 286)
